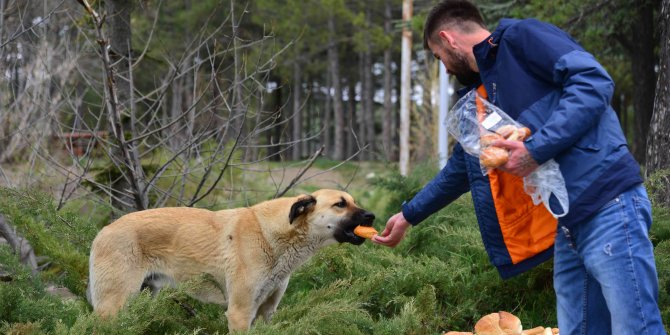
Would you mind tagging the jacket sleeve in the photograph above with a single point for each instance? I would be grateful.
(586, 87)
(449, 184)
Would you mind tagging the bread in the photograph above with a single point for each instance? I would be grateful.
(502, 323)
(506, 131)
(487, 140)
(534, 331)
(512, 133)
(365, 232)
(493, 157)
(509, 323)
(539, 330)
(524, 133)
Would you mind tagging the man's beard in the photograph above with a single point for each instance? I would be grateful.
(461, 69)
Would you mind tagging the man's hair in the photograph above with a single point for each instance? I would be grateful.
(460, 14)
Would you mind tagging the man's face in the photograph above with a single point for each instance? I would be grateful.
(456, 63)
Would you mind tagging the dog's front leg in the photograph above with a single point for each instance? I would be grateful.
(269, 306)
(241, 309)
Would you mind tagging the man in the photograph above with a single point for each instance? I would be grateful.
(604, 273)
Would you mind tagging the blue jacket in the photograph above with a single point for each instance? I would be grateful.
(542, 78)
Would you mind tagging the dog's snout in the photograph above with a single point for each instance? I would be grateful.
(368, 217)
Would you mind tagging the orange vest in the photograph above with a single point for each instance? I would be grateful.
(527, 229)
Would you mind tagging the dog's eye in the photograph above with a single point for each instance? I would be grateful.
(341, 204)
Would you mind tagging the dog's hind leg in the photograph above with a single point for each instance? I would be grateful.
(208, 289)
(112, 281)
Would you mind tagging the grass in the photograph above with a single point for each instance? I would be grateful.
(439, 278)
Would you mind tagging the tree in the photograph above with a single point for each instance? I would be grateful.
(658, 141)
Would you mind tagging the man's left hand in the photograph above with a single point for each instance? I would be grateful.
(520, 162)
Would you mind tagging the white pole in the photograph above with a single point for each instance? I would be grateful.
(445, 97)
(405, 85)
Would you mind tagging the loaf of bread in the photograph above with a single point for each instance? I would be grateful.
(493, 157)
(512, 133)
(365, 232)
(502, 323)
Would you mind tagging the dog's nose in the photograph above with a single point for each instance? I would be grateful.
(368, 216)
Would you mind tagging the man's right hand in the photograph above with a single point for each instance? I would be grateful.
(394, 231)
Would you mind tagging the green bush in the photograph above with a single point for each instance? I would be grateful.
(24, 305)
(439, 278)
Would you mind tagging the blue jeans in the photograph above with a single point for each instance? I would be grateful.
(604, 272)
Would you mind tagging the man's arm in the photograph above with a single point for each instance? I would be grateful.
(447, 186)
(586, 87)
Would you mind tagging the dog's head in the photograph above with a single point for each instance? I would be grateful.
(331, 215)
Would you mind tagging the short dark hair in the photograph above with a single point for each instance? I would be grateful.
(459, 13)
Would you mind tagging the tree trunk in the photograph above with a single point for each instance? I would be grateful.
(388, 114)
(130, 187)
(658, 142)
(118, 20)
(238, 114)
(361, 116)
(338, 110)
(327, 116)
(642, 63)
(351, 116)
(296, 153)
(405, 87)
(368, 93)
(274, 135)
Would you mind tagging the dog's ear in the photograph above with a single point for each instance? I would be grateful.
(302, 206)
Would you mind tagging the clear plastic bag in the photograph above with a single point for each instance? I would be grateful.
(475, 123)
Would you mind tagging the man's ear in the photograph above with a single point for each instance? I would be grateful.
(447, 37)
(303, 205)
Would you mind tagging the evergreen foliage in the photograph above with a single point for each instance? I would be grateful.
(439, 278)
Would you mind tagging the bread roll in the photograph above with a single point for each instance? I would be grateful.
(512, 133)
(502, 323)
(487, 140)
(524, 133)
(509, 323)
(365, 232)
(506, 131)
(534, 331)
(493, 157)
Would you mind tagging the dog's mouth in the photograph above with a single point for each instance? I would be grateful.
(345, 231)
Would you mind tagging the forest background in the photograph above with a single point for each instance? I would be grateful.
(114, 106)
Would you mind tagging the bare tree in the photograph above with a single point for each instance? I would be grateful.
(171, 143)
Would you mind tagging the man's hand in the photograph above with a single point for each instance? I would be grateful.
(394, 231)
(520, 162)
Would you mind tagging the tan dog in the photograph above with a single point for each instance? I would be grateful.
(240, 258)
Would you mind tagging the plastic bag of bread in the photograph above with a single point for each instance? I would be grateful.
(476, 124)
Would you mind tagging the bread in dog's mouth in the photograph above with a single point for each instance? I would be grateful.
(346, 231)
(365, 231)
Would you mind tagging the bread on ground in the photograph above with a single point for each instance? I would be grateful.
(502, 323)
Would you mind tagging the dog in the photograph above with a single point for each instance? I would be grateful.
(239, 258)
